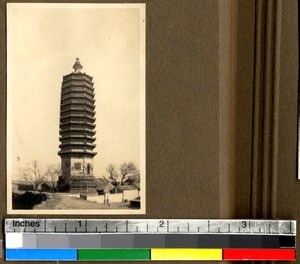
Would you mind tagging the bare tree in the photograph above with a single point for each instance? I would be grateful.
(127, 169)
(134, 177)
(33, 175)
(52, 173)
(113, 174)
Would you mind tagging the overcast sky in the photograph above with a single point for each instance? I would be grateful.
(43, 43)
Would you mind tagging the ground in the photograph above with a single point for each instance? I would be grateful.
(62, 201)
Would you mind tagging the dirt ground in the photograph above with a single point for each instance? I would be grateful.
(63, 201)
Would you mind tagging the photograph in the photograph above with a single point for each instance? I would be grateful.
(76, 108)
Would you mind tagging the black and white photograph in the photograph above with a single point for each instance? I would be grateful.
(76, 108)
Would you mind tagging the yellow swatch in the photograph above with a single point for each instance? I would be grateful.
(186, 254)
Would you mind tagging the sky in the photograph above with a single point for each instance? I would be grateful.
(43, 42)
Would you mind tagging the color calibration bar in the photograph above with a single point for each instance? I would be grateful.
(130, 240)
(149, 254)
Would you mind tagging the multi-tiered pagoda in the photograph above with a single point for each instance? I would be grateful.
(77, 132)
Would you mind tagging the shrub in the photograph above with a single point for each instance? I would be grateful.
(27, 200)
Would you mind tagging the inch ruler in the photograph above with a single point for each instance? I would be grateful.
(149, 239)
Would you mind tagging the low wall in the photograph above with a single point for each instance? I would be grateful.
(113, 197)
(130, 195)
(98, 199)
(76, 195)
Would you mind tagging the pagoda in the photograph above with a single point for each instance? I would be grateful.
(77, 133)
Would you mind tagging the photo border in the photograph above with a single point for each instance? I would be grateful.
(142, 210)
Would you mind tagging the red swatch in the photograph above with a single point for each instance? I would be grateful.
(259, 254)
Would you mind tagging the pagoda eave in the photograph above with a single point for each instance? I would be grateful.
(79, 144)
(63, 100)
(78, 151)
(79, 73)
(72, 103)
(70, 116)
(76, 83)
(73, 129)
(81, 137)
(77, 89)
(75, 110)
(78, 123)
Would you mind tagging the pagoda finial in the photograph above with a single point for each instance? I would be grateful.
(77, 66)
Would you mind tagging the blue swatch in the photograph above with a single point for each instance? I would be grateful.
(41, 254)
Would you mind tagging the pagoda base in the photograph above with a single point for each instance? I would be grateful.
(88, 188)
(63, 185)
(77, 185)
(83, 185)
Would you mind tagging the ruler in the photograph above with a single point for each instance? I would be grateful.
(149, 239)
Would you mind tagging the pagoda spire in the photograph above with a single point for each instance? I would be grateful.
(77, 66)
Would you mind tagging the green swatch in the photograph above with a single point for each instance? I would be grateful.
(114, 254)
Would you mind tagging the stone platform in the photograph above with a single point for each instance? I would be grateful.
(78, 185)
